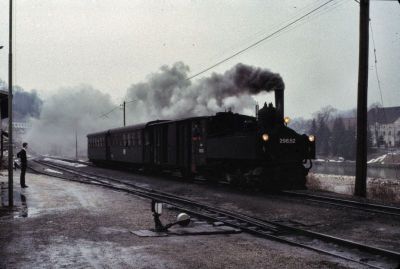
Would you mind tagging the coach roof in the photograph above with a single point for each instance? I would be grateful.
(125, 129)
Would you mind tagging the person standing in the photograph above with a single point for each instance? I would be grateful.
(24, 163)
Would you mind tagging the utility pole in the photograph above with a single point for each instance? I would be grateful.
(124, 104)
(362, 125)
(76, 143)
(10, 116)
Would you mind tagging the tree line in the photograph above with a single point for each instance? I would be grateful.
(334, 138)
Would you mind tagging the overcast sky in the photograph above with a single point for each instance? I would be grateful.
(111, 44)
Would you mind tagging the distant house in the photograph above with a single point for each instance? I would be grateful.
(384, 124)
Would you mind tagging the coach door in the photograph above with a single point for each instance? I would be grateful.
(172, 141)
(161, 144)
(183, 144)
(148, 145)
(107, 145)
(198, 143)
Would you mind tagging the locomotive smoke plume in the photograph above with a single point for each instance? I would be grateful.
(168, 94)
(69, 110)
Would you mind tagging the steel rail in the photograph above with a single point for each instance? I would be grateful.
(367, 207)
(364, 206)
(265, 228)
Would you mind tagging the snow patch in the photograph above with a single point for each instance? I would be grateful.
(72, 164)
(52, 171)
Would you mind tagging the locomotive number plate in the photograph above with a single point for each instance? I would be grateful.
(287, 140)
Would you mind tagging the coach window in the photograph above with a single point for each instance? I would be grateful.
(139, 138)
(134, 138)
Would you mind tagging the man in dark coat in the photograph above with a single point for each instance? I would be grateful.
(22, 155)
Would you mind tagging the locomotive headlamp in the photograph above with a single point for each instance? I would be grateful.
(311, 138)
(286, 120)
(265, 137)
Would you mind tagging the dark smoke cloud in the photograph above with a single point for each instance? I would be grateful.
(168, 93)
(26, 104)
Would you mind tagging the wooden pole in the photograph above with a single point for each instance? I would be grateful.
(76, 143)
(362, 125)
(10, 116)
(124, 105)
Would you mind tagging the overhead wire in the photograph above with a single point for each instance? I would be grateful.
(262, 32)
(327, 9)
(336, 4)
(104, 115)
(261, 40)
(390, 150)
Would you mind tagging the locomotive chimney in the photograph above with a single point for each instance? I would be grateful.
(279, 103)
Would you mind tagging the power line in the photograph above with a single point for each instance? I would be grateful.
(115, 108)
(379, 87)
(320, 12)
(248, 39)
(261, 40)
(376, 63)
(105, 114)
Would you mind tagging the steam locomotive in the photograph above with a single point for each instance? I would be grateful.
(235, 148)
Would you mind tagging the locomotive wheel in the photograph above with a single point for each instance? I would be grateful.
(235, 178)
(292, 177)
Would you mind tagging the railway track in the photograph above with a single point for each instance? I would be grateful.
(289, 234)
(346, 203)
(329, 200)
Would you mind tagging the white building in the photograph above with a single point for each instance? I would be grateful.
(384, 124)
